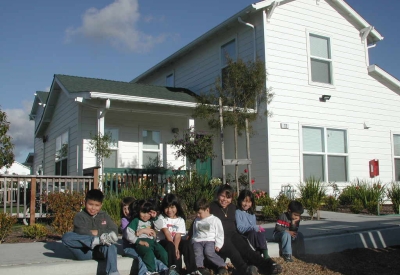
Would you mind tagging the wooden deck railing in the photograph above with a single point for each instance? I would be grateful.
(21, 195)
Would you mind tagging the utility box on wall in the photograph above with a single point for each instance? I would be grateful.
(373, 168)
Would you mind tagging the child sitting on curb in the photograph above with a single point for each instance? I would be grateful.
(286, 231)
(94, 233)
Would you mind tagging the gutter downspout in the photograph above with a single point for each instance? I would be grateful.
(254, 36)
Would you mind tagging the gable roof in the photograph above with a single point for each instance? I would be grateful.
(40, 99)
(94, 86)
(356, 19)
(85, 88)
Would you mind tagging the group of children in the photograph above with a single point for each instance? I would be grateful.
(156, 237)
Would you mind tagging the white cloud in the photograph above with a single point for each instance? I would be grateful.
(21, 130)
(117, 25)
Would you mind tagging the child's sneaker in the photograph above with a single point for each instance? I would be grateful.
(108, 238)
(172, 270)
(287, 258)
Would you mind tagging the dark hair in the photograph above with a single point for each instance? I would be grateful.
(227, 189)
(201, 204)
(94, 195)
(144, 206)
(242, 196)
(172, 200)
(126, 201)
(296, 206)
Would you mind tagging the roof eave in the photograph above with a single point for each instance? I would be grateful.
(384, 77)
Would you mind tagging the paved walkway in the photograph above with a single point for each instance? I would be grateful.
(334, 232)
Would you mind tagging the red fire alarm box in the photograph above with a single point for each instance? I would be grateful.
(373, 168)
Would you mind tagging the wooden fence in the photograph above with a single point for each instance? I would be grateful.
(21, 195)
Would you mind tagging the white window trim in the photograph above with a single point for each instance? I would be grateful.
(393, 155)
(325, 153)
(60, 136)
(141, 150)
(310, 82)
(172, 73)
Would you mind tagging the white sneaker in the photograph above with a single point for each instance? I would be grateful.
(108, 238)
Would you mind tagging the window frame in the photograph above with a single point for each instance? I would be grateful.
(172, 75)
(111, 146)
(223, 66)
(142, 150)
(394, 157)
(325, 152)
(310, 33)
(61, 160)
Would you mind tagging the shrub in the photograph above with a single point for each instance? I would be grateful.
(35, 231)
(370, 193)
(261, 198)
(331, 203)
(357, 206)
(312, 193)
(269, 209)
(6, 223)
(393, 194)
(274, 207)
(348, 195)
(64, 207)
(281, 205)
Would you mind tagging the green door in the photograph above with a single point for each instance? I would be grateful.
(204, 168)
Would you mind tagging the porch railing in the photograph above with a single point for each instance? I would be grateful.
(117, 179)
(21, 195)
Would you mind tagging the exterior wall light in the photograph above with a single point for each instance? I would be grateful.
(324, 98)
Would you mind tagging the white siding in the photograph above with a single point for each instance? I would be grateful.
(356, 97)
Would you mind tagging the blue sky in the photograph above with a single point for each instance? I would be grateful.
(119, 39)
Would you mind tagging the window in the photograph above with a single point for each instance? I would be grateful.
(169, 80)
(61, 160)
(151, 150)
(320, 59)
(396, 146)
(325, 154)
(112, 160)
(228, 50)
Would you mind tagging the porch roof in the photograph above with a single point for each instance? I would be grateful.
(79, 85)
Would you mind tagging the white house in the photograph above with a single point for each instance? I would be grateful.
(333, 111)
(16, 169)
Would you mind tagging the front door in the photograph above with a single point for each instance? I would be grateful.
(204, 168)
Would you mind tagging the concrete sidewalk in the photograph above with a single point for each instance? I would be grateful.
(334, 232)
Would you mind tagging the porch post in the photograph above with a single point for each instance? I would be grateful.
(191, 129)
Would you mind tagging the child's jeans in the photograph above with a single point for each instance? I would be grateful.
(285, 240)
(80, 246)
(131, 252)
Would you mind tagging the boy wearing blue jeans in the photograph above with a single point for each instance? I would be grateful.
(286, 231)
(94, 233)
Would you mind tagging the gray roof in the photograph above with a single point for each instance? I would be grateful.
(77, 84)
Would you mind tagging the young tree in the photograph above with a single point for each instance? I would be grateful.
(6, 147)
(100, 146)
(242, 89)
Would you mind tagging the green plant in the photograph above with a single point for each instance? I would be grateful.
(35, 231)
(369, 193)
(312, 193)
(331, 203)
(282, 203)
(99, 144)
(194, 145)
(6, 148)
(348, 195)
(64, 207)
(261, 198)
(393, 194)
(6, 223)
(357, 206)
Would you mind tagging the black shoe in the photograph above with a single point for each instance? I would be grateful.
(276, 268)
(134, 267)
(251, 270)
(287, 258)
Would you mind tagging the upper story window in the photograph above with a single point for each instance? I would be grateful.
(112, 160)
(151, 149)
(170, 80)
(325, 154)
(61, 160)
(228, 50)
(396, 147)
(320, 57)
